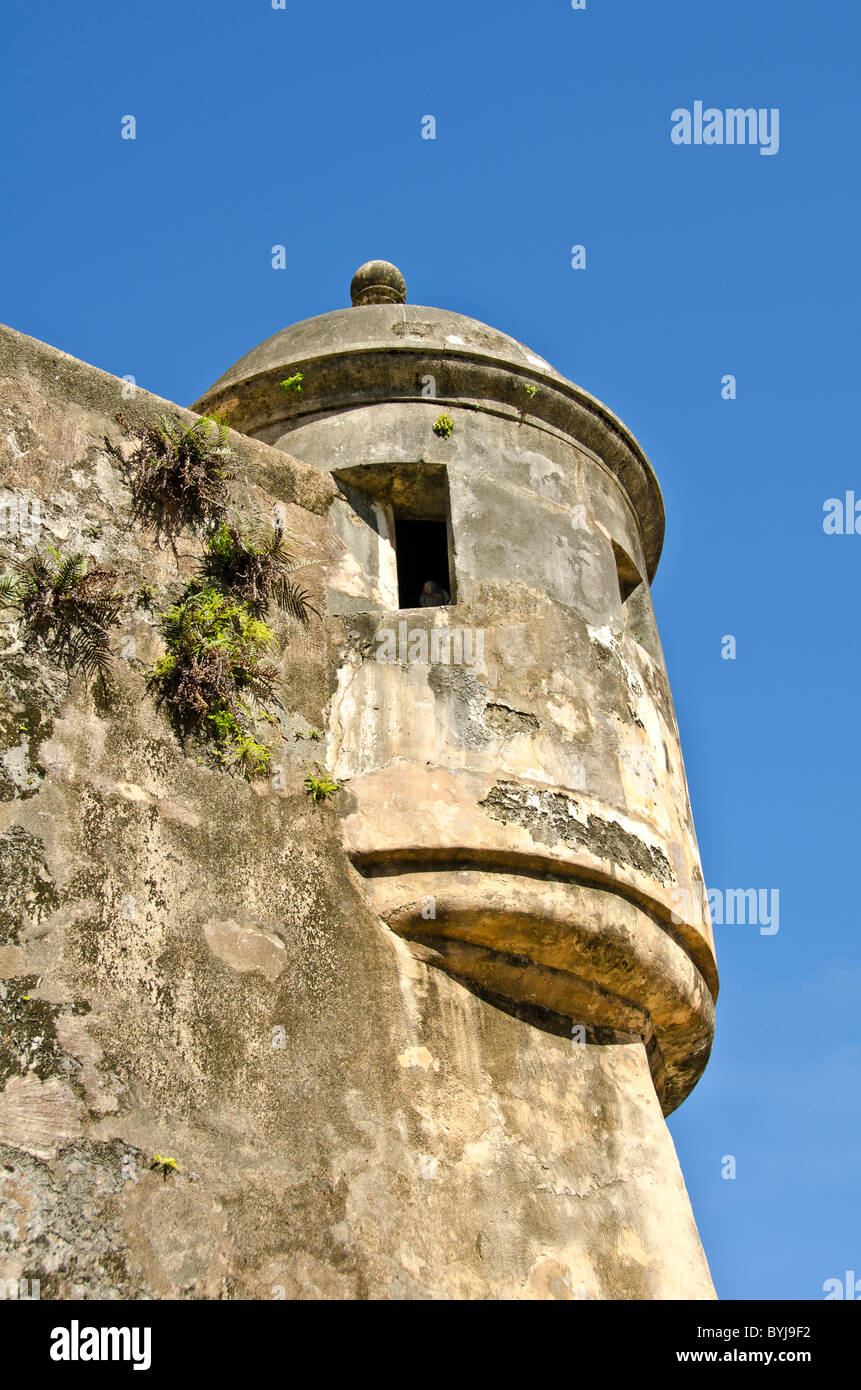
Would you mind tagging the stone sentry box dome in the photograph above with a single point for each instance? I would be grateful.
(514, 796)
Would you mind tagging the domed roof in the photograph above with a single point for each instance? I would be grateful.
(369, 352)
(381, 326)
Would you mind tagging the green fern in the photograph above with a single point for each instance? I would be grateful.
(258, 568)
(67, 608)
(320, 788)
(178, 473)
(213, 667)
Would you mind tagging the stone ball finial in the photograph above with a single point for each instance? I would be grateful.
(378, 282)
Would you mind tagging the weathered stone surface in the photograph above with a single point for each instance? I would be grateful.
(246, 947)
(234, 976)
(39, 1116)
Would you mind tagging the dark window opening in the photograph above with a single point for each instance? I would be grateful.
(422, 554)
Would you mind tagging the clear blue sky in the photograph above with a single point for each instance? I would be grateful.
(302, 127)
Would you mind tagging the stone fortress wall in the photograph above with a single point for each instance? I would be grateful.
(364, 1101)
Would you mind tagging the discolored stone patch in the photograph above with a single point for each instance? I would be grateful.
(551, 816)
(505, 721)
(28, 889)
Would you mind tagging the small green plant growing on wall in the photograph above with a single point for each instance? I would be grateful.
(530, 390)
(67, 607)
(164, 1164)
(320, 788)
(314, 734)
(293, 383)
(258, 569)
(214, 673)
(178, 473)
(145, 597)
(443, 426)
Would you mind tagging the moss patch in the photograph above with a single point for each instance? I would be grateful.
(28, 889)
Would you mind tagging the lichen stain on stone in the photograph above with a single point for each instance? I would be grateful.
(28, 889)
(551, 817)
(29, 1041)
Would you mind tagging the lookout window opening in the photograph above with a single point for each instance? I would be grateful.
(627, 573)
(422, 551)
(404, 540)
